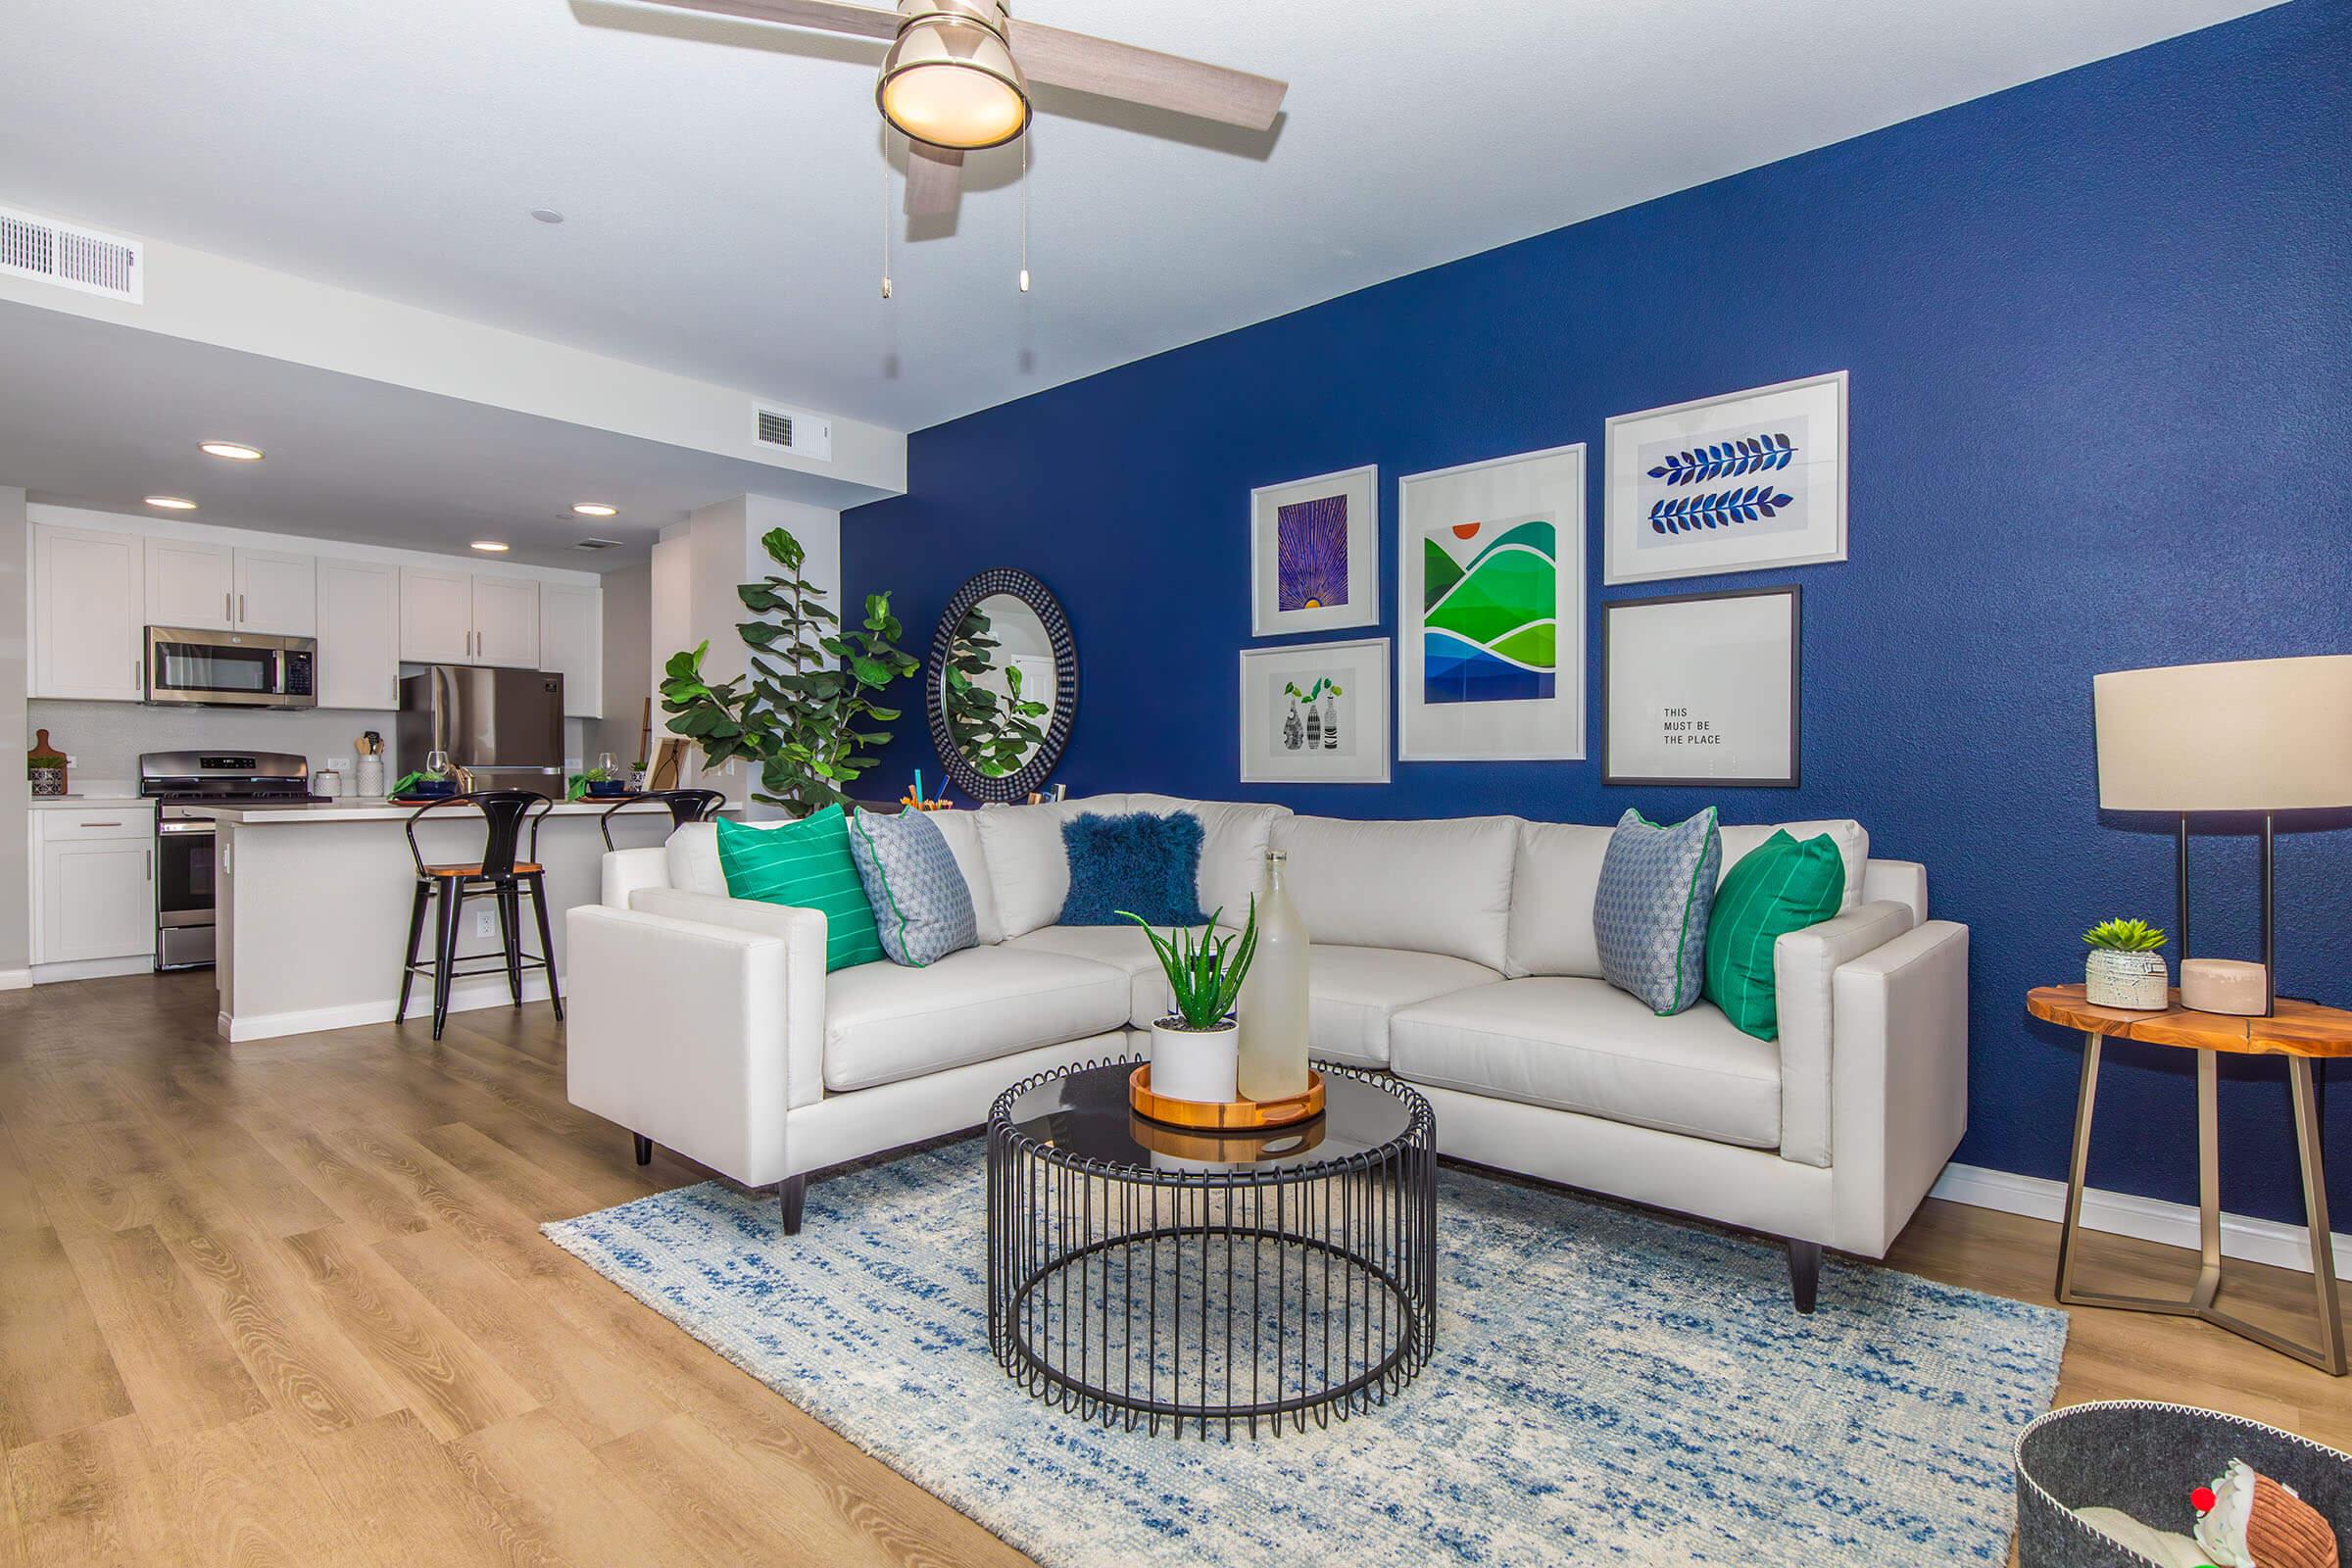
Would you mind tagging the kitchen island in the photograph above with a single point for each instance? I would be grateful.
(312, 903)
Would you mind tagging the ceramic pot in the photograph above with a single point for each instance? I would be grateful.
(49, 781)
(2135, 981)
(1203, 1064)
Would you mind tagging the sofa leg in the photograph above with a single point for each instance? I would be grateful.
(645, 1149)
(795, 1195)
(1804, 1272)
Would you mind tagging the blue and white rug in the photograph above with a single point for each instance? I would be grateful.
(1608, 1387)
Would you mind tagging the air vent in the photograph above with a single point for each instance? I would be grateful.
(597, 544)
(793, 430)
(70, 256)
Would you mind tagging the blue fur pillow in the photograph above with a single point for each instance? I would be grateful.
(1145, 864)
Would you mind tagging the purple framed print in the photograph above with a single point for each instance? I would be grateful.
(1314, 561)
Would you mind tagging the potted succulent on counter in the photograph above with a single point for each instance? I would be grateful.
(1195, 1051)
(2125, 969)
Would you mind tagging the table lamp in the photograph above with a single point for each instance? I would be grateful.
(2255, 736)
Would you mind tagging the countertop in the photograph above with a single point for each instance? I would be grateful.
(91, 803)
(377, 810)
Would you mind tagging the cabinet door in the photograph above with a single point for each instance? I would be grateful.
(277, 593)
(359, 635)
(505, 623)
(89, 616)
(436, 616)
(189, 585)
(97, 899)
(572, 644)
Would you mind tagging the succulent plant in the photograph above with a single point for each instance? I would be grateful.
(1204, 974)
(2125, 936)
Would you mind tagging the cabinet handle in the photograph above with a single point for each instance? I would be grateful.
(240, 609)
(224, 610)
(150, 866)
(102, 824)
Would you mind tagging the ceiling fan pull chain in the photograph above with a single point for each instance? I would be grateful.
(886, 219)
(1024, 215)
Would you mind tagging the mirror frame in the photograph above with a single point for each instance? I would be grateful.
(1031, 776)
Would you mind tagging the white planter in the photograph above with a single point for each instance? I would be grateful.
(2134, 981)
(1202, 1064)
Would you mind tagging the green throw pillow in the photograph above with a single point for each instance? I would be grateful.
(1779, 887)
(806, 864)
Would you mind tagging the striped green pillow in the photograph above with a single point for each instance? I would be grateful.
(806, 864)
(1778, 887)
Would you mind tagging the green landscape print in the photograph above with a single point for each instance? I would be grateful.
(1489, 596)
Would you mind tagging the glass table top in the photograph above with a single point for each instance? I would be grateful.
(1086, 1114)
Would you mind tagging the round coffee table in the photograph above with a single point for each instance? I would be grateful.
(1144, 1275)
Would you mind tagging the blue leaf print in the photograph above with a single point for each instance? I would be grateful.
(1719, 508)
(1726, 460)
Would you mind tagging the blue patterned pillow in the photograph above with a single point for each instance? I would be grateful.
(1649, 916)
(922, 907)
(1148, 865)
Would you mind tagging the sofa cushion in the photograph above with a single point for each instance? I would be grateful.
(1122, 946)
(1786, 886)
(1232, 847)
(1353, 992)
(1442, 886)
(884, 1023)
(1028, 868)
(1138, 862)
(961, 830)
(806, 864)
(1583, 1045)
(1556, 873)
(693, 855)
(1852, 841)
(1649, 916)
(922, 909)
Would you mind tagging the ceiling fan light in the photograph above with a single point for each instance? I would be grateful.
(949, 80)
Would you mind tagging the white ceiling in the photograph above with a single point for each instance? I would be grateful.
(723, 181)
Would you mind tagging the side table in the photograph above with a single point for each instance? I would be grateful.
(2302, 1032)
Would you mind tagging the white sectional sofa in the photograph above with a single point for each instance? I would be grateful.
(1455, 953)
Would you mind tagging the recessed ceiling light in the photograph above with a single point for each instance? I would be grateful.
(171, 502)
(233, 451)
(595, 509)
(547, 215)
(495, 546)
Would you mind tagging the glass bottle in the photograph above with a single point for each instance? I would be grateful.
(1273, 1007)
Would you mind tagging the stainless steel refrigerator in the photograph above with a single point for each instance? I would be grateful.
(504, 727)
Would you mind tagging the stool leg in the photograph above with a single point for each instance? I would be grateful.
(510, 930)
(2330, 1357)
(453, 901)
(408, 970)
(547, 941)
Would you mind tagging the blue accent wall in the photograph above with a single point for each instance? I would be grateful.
(2099, 329)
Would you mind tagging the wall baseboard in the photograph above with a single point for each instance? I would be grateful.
(464, 996)
(44, 975)
(16, 979)
(2243, 1237)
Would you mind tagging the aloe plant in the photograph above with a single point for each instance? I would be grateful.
(1204, 974)
(2125, 936)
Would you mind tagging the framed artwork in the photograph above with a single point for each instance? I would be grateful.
(1734, 483)
(1314, 554)
(1491, 609)
(1701, 689)
(1316, 714)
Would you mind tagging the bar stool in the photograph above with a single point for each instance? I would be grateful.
(685, 805)
(497, 874)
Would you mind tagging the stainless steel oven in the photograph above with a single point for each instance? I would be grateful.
(230, 669)
(185, 858)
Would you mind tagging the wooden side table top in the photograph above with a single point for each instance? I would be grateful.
(2299, 1028)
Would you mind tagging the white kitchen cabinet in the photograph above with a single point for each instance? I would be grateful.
(506, 622)
(190, 583)
(436, 616)
(358, 615)
(97, 885)
(572, 644)
(89, 612)
(277, 593)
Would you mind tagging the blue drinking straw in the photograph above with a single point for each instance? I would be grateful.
(919, 789)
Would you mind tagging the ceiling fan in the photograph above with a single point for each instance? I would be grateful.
(957, 75)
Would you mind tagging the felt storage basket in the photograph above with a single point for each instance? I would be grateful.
(2145, 1458)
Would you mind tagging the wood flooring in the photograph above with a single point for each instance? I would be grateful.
(288, 1304)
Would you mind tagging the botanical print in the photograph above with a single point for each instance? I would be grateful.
(1316, 712)
(1683, 482)
(1319, 729)
(1489, 594)
(1310, 548)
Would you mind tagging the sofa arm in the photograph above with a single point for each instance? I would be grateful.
(626, 871)
(692, 1035)
(1900, 1098)
(1802, 965)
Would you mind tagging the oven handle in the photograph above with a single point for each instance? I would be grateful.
(206, 828)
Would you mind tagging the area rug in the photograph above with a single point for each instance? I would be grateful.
(1609, 1387)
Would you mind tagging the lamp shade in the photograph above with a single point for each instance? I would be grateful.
(2256, 735)
(949, 79)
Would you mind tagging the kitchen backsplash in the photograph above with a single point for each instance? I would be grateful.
(105, 739)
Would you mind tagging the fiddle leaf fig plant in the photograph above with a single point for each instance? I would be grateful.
(995, 731)
(805, 709)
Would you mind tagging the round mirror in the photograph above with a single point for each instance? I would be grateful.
(1003, 685)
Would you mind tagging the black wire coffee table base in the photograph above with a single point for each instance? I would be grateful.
(1152, 1277)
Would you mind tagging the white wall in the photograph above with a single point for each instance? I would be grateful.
(16, 817)
(629, 656)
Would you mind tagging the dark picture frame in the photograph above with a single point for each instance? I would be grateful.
(1610, 772)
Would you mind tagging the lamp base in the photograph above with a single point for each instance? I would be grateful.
(2229, 986)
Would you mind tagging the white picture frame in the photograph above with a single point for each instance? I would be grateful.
(1703, 689)
(1361, 754)
(1731, 508)
(1293, 537)
(1463, 694)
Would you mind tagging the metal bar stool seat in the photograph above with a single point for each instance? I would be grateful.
(497, 874)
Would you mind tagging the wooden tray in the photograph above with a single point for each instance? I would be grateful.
(1230, 1116)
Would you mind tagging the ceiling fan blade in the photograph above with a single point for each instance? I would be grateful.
(934, 178)
(825, 15)
(1145, 77)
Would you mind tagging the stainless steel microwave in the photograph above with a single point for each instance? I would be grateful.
(231, 668)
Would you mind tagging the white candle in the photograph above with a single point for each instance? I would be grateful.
(2223, 985)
